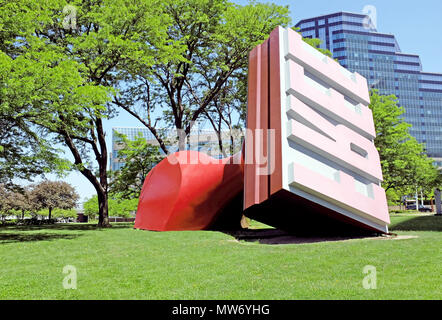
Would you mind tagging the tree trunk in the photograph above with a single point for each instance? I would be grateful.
(50, 211)
(100, 151)
(103, 211)
(232, 143)
(217, 130)
(181, 136)
(103, 206)
(220, 144)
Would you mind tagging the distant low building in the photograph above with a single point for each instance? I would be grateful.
(199, 140)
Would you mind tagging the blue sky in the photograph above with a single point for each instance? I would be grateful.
(417, 26)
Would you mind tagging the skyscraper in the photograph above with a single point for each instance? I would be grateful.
(358, 46)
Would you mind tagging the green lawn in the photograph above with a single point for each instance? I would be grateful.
(123, 263)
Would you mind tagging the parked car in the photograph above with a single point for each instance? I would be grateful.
(421, 208)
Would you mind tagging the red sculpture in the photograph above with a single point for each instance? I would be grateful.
(309, 163)
(187, 191)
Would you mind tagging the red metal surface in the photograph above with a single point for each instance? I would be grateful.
(252, 98)
(275, 112)
(263, 116)
(187, 190)
(263, 192)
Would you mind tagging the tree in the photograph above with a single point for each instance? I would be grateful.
(118, 207)
(123, 207)
(405, 165)
(23, 202)
(228, 113)
(52, 195)
(65, 213)
(65, 74)
(58, 213)
(314, 42)
(90, 207)
(23, 152)
(6, 202)
(216, 38)
(22, 155)
(139, 158)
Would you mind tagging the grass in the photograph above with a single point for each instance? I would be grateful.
(123, 263)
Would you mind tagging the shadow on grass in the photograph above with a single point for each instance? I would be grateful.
(66, 226)
(425, 223)
(23, 237)
(276, 236)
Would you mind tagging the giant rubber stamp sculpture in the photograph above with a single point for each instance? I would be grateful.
(308, 164)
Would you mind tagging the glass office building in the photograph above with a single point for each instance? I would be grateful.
(358, 46)
(130, 133)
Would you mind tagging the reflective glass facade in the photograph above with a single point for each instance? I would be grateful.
(357, 45)
(130, 133)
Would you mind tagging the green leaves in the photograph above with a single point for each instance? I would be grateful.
(54, 194)
(404, 164)
(24, 150)
(315, 43)
(209, 42)
(118, 207)
(57, 79)
(59, 213)
(139, 158)
(56, 197)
